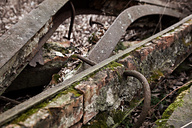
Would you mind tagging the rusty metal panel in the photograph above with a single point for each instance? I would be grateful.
(107, 43)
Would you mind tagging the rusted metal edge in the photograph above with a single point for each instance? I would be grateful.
(12, 113)
(104, 47)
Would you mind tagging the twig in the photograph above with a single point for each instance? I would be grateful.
(186, 84)
(90, 62)
(9, 100)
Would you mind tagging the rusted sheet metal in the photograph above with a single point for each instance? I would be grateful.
(18, 43)
(107, 43)
(12, 113)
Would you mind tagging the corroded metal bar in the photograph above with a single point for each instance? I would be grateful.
(90, 62)
(107, 43)
(146, 92)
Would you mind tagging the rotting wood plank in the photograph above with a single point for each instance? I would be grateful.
(18, 43)
(10, 114)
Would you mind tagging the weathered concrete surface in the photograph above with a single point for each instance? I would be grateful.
(18, 42)
(179, 113)
(102, 91)
(183, 113)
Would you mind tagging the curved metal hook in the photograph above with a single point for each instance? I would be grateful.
(147, 95)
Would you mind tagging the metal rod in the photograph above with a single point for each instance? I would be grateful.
(91, 22)
(147, 95)
(90, 62)
(72, 20)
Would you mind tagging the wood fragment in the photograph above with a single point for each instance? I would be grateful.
(9, 100)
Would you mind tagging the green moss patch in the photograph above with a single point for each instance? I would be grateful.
(156, 74)
(177, 103)
(119, 46)
(43, 104)
(112, 65)
(30, 112)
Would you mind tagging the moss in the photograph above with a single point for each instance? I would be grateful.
(41, 105)
(139, 48)
(64, 51)
(167, 113)
(56, 77)
(119, 46)
(156, 74)
(73, 56)
(184, 88)
(99, 121)
(124, 56)
(79, 65)
(112, 65)
(30, 112)
(157, 38)
(93, 38)
(89, 76)
(71, 89)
